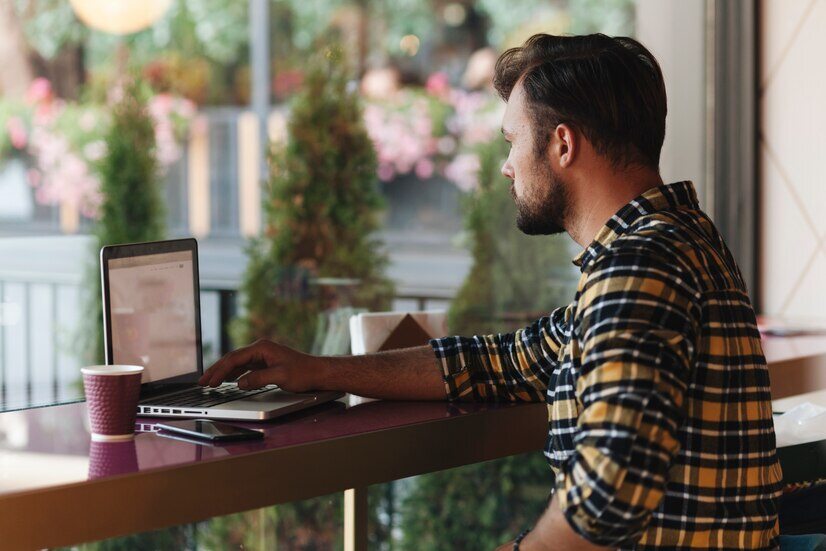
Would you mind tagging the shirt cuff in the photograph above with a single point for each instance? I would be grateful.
(452, 358)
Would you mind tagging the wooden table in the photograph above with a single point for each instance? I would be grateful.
(57, 488)
(796, 364)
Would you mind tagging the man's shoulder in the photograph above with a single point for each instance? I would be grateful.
(655, 241)
(657, 250)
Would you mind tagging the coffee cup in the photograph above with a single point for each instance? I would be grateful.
(112, 393)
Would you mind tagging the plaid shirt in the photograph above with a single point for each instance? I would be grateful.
(660, 423)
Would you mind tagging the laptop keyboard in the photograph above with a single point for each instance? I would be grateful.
(207, 397)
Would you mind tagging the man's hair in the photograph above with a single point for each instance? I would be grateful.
(610, 89)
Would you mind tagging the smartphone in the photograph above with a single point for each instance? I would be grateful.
(214, 431)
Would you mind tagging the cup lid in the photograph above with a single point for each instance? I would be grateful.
(111, 369)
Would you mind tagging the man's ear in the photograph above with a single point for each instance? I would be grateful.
(564, 145)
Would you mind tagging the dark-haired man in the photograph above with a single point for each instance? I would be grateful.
(660, 429)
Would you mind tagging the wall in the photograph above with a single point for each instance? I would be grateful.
(674, 31)
(793, 158)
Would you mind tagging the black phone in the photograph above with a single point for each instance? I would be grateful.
(213, 431)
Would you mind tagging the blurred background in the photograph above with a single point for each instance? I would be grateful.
(332, 157)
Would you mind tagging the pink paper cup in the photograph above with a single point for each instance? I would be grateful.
(112, 393)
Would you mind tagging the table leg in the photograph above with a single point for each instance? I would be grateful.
(355, 519)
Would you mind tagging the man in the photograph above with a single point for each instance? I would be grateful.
(660, 428)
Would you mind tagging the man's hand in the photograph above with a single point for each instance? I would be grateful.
(268, 363)
(552, 532)
(527, 542)
(407, 374)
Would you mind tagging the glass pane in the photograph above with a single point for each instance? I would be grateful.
(444, 236)
(309, 525)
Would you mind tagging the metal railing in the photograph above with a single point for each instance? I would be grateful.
(43, 335)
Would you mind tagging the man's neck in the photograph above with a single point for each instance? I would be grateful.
(601, 195)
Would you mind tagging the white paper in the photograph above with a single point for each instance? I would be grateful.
(803, 423)
(369, 331)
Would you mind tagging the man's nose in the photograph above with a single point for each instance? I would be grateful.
(507, 170)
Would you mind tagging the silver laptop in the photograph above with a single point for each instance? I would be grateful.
(152, 317)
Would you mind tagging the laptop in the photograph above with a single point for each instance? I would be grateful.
(152, 317)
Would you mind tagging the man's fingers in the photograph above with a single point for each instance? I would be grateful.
(232, 362)
(238, 371)
(215, 374)
(258, 379)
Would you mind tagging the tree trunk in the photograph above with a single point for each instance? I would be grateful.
(66, 70)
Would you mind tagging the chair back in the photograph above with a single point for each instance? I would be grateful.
(379, 331)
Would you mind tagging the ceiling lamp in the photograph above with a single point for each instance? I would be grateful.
(120, 16)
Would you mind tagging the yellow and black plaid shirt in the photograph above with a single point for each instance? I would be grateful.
(660, 424)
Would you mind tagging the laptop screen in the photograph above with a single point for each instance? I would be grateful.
(153, 313)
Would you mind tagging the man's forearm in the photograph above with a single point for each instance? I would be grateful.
(552, 532)
(407, 374)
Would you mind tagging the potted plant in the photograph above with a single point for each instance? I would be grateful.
(321, 206)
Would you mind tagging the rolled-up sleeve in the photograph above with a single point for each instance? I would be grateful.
(638, 323)
(504, 367)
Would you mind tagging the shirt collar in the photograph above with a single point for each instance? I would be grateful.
(665, 197)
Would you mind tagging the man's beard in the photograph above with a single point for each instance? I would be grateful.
(544, 212)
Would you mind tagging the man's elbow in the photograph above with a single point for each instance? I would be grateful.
(605, 515)
(608, 529)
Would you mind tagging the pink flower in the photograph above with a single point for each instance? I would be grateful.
(160, 106)
(464, 171)
(167, 110)
(446, 145)
(61, 175)
(438, 84)
(424, 168)
(386, 172)
(40, 90)
(402, 133)
(17, 132)
(33, 176)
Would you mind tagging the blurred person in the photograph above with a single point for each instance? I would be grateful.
(381, 84)
(481, 66)
(660, 424)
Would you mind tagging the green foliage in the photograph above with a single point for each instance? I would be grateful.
(167, 539)
(132, 209)
(312, 524)
(214, 29)
(49, 25)
(321, 209)
(514, 277)
(521, 18)
(479, 506)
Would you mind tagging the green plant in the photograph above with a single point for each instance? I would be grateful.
(132, 207)
(514, 277)
(303, 525)
(321, 207)
(479, 506)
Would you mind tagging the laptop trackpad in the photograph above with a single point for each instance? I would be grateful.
(267, 400)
